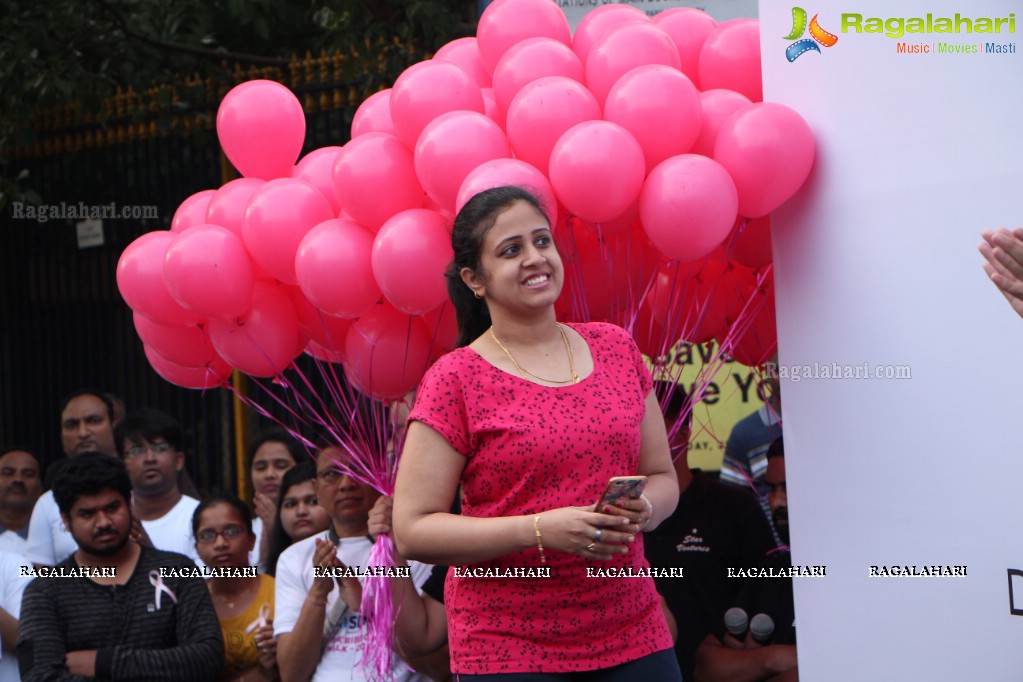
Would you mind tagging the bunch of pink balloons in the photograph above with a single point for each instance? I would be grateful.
(646, 139)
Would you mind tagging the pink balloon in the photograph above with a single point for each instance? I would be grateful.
(542, 112)
(601, 21)
(264, 340)
(227, 207)
(730, 58)
(278, 216)
(465, 54)
(207, 270)
(333, 249)
(388, 353)
(213, 375)
(660, 94)
(718, 106)
(632, 45)
(450, 147)
(504, 172)
(750, 241)
(529, 60)
(375, 177)
(327, 331)
(374, 115)
(597, 170)
(261, 127)
(490, 106)
(317, 169)
(686, 225)
(426, 90)
(192, 211)
(688, 27)
(410, 254)
(443, 329)
(505, 23)
(324, 354)
(140, 281)
(185, 346)
(768, 150)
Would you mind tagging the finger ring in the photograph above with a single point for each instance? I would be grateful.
(591, 547)
(596, 538)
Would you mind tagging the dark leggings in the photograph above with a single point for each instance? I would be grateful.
(661, 666)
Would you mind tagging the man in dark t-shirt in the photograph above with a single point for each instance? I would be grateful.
(713, 528)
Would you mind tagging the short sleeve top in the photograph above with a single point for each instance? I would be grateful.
(531, 448)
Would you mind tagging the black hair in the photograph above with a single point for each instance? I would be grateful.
(274, 435)
(147, 424)
(105, 397)
(279, 540)
(222, 498)
(89, 474)
(672, 399)
(471, 225)
(777, 448)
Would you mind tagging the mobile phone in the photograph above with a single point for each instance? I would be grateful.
(621, 487)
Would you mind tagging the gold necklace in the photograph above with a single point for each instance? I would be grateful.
(524, 372)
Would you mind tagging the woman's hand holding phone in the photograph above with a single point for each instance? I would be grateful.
(586, 533)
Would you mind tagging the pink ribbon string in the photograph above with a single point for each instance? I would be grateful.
(157, 581)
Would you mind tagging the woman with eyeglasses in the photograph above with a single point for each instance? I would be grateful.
(244, 601)
(299, 514)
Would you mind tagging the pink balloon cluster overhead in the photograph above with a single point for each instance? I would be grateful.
(646, 139)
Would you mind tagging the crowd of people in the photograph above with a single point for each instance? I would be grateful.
(120, 570)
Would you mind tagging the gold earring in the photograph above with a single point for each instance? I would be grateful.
(476, 293)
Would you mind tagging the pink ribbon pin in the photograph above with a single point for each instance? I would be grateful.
(156, 580)
(261, 620)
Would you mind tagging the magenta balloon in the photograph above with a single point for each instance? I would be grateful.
(317, 169)
(227, 207)
(465, 54)
(730, 59)
(718, 106)
(192, 211)
(213, 375)
(601, 21)
(375, 177)
(185, 346)
(140, 281)
(768, 149)
(334, 270)
(388, 353)
(264, 340)
(278, 216)
(324, 354)
(688, 27)
(623, 50)
(374, 115)
(426, 90)
(503, 172)
(688, 206)
(529, 60)
(410, 254)
(597, 170)
(505, 23)
(315, 325)
(207, 270)
(450, 147)
(541, 113)
(261, 127)
(660, 94)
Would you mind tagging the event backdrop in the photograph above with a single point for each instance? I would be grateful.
(919, 148)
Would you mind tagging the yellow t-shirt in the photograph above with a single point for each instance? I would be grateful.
(240, 646)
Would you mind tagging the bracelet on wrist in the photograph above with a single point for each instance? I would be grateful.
(539, 538)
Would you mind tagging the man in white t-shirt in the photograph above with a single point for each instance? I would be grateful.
(320, 634)
(86, 425)
(12, 586)
(20, 487)
(149, 442)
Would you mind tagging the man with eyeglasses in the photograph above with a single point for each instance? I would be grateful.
(109, 611)
(149, 442)
(317, 623)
